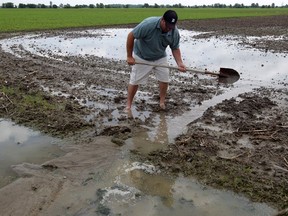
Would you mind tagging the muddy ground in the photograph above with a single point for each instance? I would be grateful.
(215, 149)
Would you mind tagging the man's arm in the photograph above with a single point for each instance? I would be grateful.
(178, 58)
(129, 48)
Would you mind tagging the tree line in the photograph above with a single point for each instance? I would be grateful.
(146, 5)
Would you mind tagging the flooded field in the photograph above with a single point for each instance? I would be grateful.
(115, 181)
(212, 53)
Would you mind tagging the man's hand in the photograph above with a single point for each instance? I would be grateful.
(130, 60)
(177, 56)
(182, 67)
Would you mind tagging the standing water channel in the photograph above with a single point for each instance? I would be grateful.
(163, 195)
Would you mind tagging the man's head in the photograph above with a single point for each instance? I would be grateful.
(170, 17)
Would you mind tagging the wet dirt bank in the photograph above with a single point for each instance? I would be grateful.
(239, 144)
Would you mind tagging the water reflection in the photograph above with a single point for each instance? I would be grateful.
(20, 144)
(8, 133)
(153, 185)
(162, 130)
(150, 138)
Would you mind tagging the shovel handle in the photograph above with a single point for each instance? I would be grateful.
(173, 67)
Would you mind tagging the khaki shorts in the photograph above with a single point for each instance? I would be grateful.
(140, 73)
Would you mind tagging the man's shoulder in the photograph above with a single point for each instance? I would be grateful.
(152, 19)
(147, 25)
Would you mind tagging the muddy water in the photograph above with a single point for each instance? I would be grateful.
(133, 190)
(20, 144)
(140, 189)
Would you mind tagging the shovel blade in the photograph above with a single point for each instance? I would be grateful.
(228, 75)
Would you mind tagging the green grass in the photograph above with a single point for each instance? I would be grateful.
(25, 101)
(7, 91)
(36, 100)
(13, 20)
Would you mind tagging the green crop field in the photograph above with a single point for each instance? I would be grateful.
(12, 20)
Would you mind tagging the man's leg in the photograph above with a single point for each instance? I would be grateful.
(132, 89)
(162, 75)
(163, 86)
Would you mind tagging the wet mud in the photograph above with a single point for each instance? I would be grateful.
(239, 144)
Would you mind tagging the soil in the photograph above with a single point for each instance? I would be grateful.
(215, 149)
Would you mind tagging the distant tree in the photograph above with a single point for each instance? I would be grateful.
(67, 6)
(238, 5)
(156, 5)
(81, 6)
(31, 6)
(8, 5)
(146, 5)
(21, 5)
(177, 5)
(42, 6)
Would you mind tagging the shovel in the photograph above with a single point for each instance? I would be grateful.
(225, 75)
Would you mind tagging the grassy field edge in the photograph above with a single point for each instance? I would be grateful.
(15, 20)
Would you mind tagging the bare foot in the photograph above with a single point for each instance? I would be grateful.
(129, 112)
(162, 106)
(127, 109)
